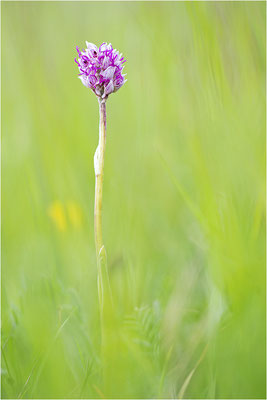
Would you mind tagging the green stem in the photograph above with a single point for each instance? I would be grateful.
(99, 175)
(108, 321)
(104, 292)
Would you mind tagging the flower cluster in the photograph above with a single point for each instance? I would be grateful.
(101, 68)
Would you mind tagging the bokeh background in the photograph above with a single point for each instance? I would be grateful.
(184, 201)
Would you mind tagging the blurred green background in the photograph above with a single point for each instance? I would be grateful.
(184, 201)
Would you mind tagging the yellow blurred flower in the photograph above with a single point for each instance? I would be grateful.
(61, 214)
(74, 214)
(56, 212)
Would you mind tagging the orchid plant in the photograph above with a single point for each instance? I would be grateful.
(101, 71)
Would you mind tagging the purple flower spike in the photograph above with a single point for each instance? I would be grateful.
(101, 69)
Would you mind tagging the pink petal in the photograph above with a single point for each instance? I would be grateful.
(108, 73)
(108, 89)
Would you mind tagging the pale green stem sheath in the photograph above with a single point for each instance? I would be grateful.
(99, 175)
(104, 292)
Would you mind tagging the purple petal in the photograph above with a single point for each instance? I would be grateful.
(109, 88)
(106, 62)
(84, 80)
(108, 73)
(91, 46)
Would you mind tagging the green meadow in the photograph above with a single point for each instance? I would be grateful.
(183, 202)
